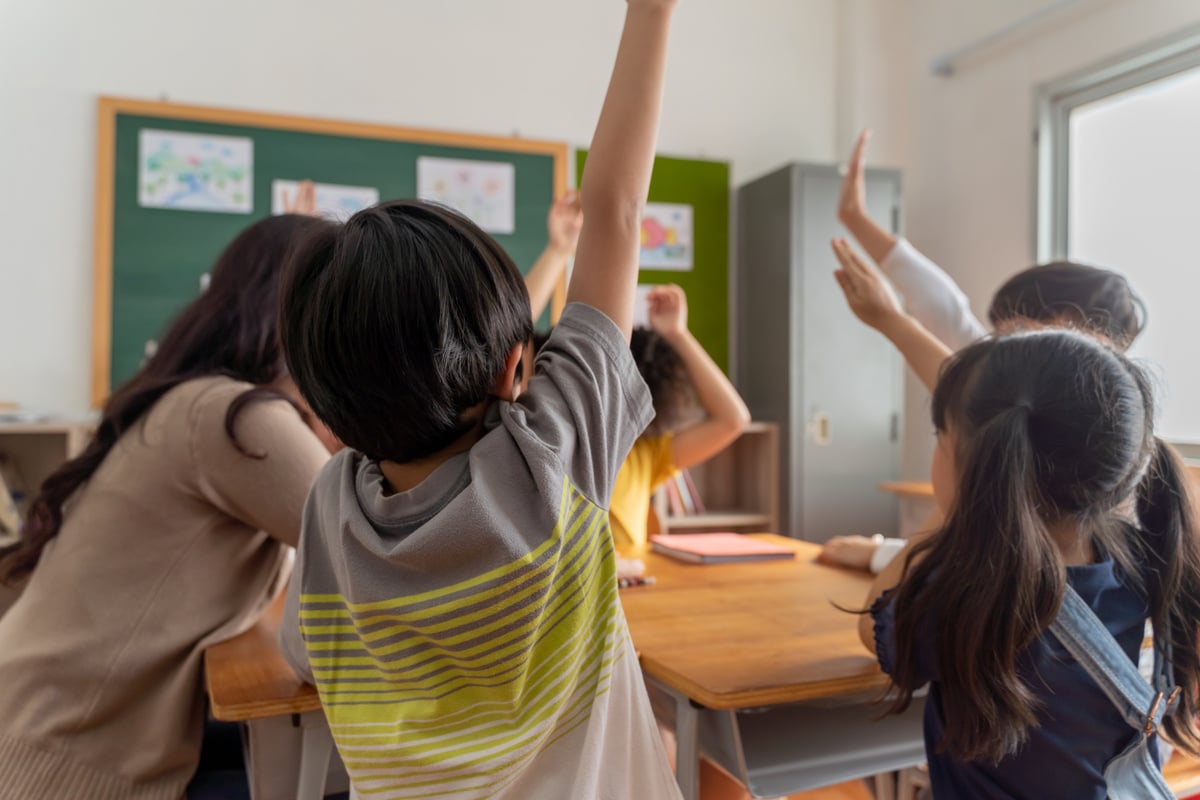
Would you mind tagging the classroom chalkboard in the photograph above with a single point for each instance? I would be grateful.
(149, 261)
(704, 185)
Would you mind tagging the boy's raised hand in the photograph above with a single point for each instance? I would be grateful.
(668, 310)
(616, 177)
(870, 297)
(565, 221)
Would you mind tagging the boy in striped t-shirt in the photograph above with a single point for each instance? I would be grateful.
(455, 597)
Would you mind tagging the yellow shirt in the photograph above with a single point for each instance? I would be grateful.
(648, 466)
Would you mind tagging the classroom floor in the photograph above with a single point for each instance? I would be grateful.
(855, 790)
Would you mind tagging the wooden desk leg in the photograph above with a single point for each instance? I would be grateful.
(316, 747)
(247, 759)
(687, 747)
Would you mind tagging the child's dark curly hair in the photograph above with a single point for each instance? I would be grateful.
(665, 374)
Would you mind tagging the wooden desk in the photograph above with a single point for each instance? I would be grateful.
(248, 677)
(768, 678)
(287, 743)
(755, 634)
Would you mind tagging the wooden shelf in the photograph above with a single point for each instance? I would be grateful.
(721, 520)
(36, 449)
(922, 489)
(740, 484)
(908, 488)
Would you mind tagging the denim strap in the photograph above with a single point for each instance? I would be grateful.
(1091, 644)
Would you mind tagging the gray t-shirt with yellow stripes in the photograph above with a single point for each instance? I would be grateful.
(466, 636)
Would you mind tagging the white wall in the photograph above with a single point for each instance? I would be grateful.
(968, 148)
(750, 81)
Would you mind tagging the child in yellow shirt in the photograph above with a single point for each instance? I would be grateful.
(674, 366)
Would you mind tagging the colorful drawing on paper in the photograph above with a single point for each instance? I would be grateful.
(667, 236)
(483, 191)
(333, 201)
(191, 172)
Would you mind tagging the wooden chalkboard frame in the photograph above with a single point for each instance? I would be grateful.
(108, 109)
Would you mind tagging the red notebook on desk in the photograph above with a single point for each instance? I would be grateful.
(718, 548)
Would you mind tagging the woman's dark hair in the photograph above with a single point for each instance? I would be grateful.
(1094, 300)
(398, 323)
(228, 330)
(1049, 426)
(666, 376)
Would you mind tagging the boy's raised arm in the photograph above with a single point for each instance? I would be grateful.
(617, 176)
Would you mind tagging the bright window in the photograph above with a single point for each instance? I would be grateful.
(1121, 189)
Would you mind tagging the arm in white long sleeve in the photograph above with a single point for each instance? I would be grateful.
(931, 296)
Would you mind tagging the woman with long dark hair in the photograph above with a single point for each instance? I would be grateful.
(165, 535)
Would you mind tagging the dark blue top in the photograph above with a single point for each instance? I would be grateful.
(1079, 730)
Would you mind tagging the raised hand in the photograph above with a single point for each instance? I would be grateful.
(852, 202)
(304, 202)
(868, 294)
(565, 221)
(668, 310)
(616, 177)
(873, 301)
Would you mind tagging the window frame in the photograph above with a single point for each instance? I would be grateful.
(1161, 59)
(1056, 100)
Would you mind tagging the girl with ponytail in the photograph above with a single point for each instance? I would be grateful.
(1060, 504)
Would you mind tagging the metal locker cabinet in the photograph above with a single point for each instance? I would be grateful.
(804, 361)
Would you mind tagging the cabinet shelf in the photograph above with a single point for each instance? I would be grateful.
(740, 485)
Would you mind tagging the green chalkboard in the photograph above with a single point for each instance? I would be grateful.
(149, 260)
(704, 185)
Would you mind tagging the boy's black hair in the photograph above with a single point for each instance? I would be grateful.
(397, 324)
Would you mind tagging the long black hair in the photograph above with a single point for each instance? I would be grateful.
(230, 329)
(1049, 426)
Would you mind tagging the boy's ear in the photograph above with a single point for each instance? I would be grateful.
(508, 382)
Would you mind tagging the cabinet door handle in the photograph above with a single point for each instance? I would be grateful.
(820, 429)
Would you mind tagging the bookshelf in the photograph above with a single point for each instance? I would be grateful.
(739, 487)
(33, 450)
